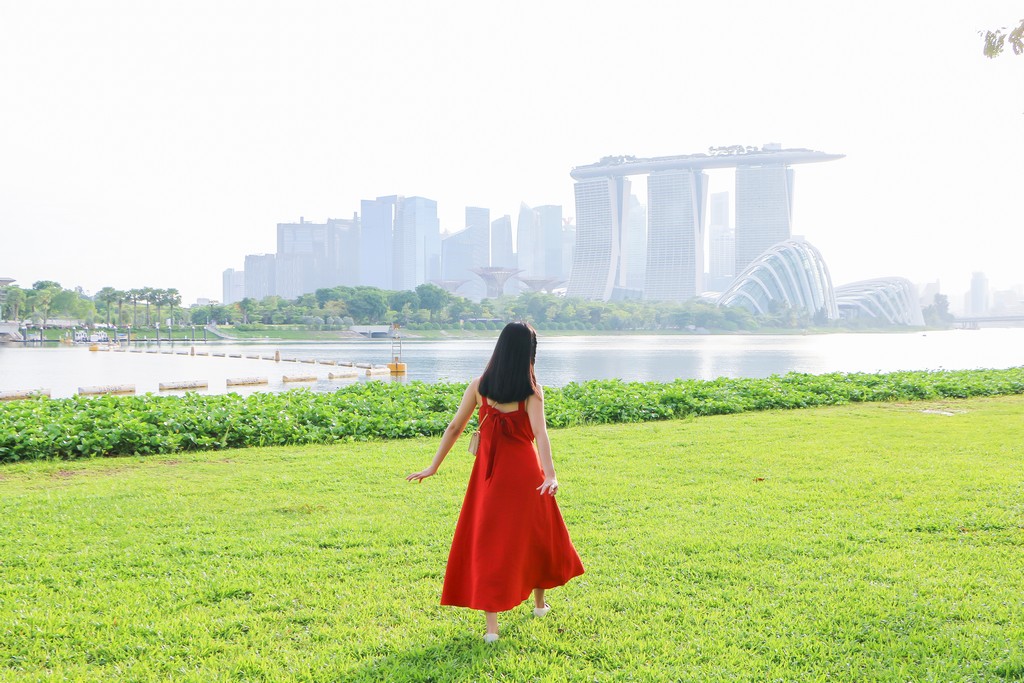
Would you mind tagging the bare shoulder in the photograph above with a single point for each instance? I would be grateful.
(537, 398)
(474, 389)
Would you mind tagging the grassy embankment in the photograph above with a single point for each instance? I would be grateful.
(877, 542)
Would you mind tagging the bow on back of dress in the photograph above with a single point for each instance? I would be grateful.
(499, 421)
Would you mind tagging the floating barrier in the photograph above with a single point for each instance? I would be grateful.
(245, 381)
(378, 370)
(299, 378)
(234, 355)
(177, 386)
(202, 353)
(343, 374)
(19, 394)
(327, 362)
(107, 389)
(308, 360)
(218, 355)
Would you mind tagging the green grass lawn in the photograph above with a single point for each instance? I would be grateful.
(869, 542)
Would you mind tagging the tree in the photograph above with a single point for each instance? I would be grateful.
(46, 284)
(172, 298)
(246, 307)
(42, 301)
(15, 300)
(157, 295)
(432, 298)
(135, 296)
(937, 313)
(368, 304)
(120, 296)
(996, 40)
(107, 296)
(147, 294)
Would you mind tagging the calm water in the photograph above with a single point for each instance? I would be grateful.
(560, 360)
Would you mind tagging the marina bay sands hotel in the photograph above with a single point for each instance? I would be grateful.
(676, 207)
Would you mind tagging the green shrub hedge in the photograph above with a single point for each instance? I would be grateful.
(86, 427)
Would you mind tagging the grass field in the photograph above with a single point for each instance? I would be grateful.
(878, 542)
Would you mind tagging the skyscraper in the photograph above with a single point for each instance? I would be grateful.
(722, 240)
(478, 222)
(417, 243)
(301, 253)
(343, 249)
(376, 242)
(635, 246)
(233, 285)
(260, 276)
(763, 206)
(764, 202)
(468, 249)
(529, 242)
(549, 223)
(601, 204)
(502, 254)
(675, 234)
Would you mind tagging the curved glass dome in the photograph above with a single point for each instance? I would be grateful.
(792, 274)
(891, 299)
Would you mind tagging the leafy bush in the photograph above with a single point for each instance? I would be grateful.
(107, 425)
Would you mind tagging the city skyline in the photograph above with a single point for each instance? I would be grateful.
(151, 147)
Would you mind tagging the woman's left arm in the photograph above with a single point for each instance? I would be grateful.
(538, 422)
(452, 433)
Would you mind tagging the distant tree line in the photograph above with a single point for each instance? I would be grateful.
(47, 300)
(426, 307)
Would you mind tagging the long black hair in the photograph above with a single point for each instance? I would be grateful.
(509, 376)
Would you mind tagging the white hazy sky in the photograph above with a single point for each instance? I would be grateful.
(156, 143)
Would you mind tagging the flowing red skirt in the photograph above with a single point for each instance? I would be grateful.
(509, 538)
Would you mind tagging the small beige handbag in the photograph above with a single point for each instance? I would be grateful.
(474, 438)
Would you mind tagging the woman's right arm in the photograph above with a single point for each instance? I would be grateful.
(452, 433)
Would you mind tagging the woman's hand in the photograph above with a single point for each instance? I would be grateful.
(420, 476)
(550, 486)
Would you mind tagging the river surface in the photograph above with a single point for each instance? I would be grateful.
(560, 359)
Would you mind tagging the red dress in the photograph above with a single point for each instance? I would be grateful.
(509, 538)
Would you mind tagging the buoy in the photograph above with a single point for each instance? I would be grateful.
(94, 347)
(343, 374)
(243, 381)
(176, 386)
(107, 389)
(397, 367)
(20, 394)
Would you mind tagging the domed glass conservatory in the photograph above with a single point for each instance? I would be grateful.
(790, 274)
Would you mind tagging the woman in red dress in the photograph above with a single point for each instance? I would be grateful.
(510, 539)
